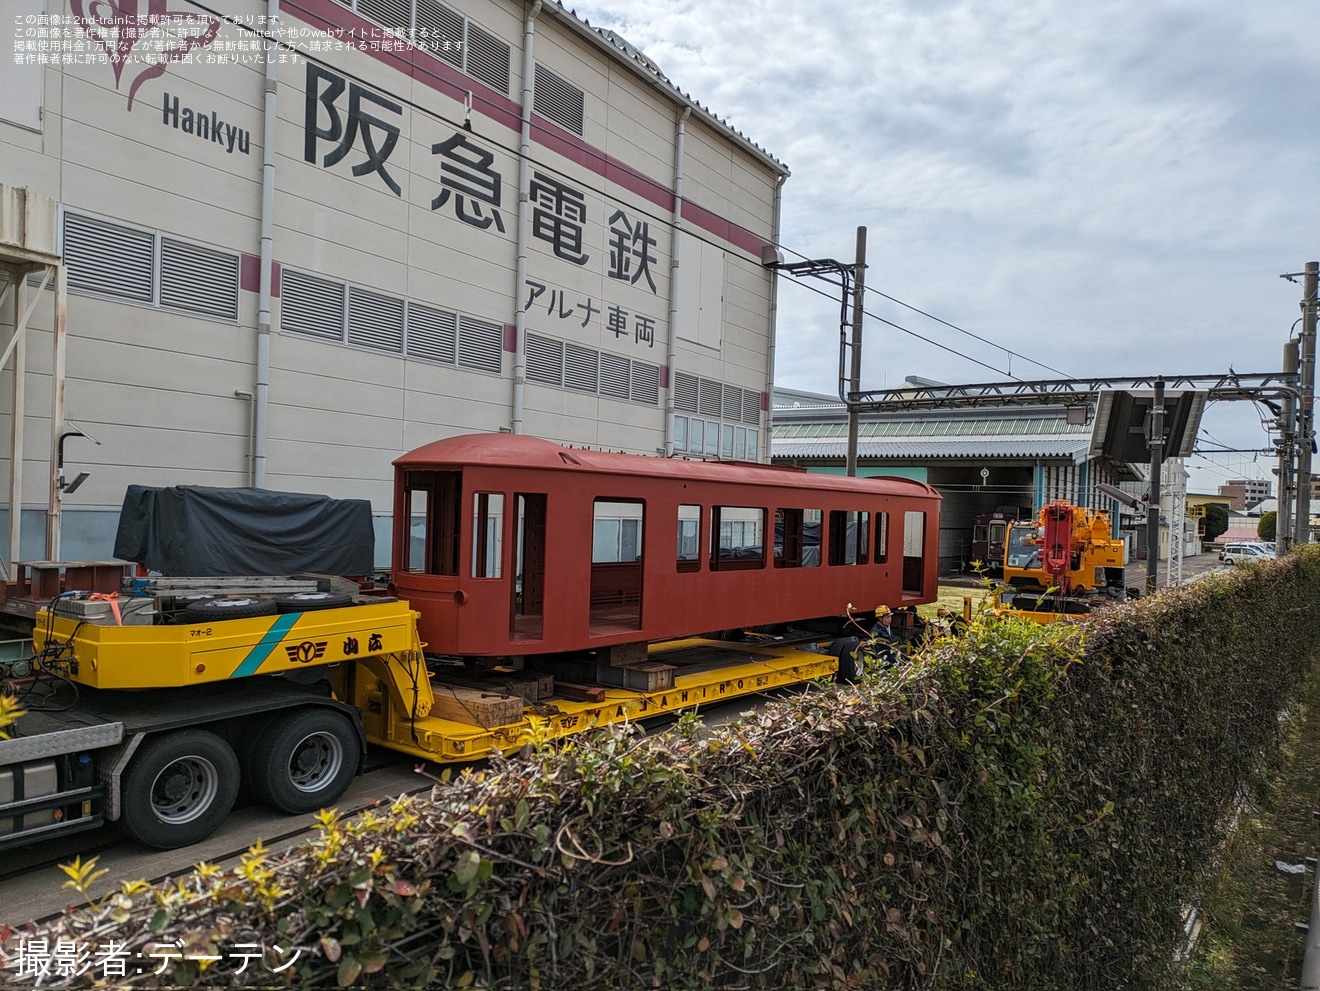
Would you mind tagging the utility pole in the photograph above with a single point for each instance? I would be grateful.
(855, 374)
(1305, 406)
(1153, 510)
(1283, 531)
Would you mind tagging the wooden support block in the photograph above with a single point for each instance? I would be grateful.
(580, 693)
(473, 706)
(545, 684)
(622, 655)
(649, 676)
(494, 683)
(527, 685)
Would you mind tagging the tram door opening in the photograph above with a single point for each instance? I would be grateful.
(616, 566)
(914, 544)
(433, 500)
(526, 620)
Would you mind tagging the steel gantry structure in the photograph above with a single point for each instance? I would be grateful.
(1281, 392)
(1257, 386)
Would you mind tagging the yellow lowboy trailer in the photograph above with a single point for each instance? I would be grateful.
(104, 656)
(168, 719)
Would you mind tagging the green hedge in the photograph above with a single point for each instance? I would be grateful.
(1028, 807)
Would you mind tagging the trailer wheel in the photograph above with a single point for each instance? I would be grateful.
(308, 601)
(178, 788)
(229, 607)
(306, 762)
(845, 649)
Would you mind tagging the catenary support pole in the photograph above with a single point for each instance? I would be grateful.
(1283, 530)
(855, 373)
(1153, 509)
(1306, 406)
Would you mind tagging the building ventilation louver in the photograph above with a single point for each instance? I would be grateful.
(487, 58)
(556, 99)
(198, 279)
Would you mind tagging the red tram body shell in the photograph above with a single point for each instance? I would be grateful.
(513, 545)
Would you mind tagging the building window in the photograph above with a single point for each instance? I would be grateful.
(709, 418)
(149, 267)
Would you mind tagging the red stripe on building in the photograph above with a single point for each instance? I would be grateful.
(438, 75)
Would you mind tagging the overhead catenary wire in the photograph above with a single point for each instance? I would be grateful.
(930, 316)
(911, 333)
(652, 215)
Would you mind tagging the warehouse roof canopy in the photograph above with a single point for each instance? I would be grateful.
(808, 426)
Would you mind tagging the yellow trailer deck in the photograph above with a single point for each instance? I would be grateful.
(375, 662)
(175, 656)
(397, 699)
(169, 717)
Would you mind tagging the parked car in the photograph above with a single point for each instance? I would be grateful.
(1233, 553)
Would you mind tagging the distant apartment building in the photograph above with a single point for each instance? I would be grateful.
(1244, 493)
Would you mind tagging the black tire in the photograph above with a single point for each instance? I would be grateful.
(305, 761)
(309, 601)
(229, 607)
(178, 788)
(845, 649)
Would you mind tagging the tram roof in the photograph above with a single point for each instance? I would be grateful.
(522, 451)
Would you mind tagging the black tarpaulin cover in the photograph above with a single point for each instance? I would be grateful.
(188, 530)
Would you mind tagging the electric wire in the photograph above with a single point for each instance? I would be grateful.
(911, 333)
(654, 216)
(984, 340)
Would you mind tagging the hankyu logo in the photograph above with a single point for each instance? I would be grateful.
(152, 39)
(306, 652)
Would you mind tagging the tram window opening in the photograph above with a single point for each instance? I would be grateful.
(689, 538)
(797, 538)
(487, 535)
(414, 548)
(881, 538)
(617, 546)
(616, 532)
(914, 543)
(432, 498)
(849, 536)
(529, 579)
(737, 538)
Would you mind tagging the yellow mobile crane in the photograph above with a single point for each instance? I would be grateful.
(1063, 562)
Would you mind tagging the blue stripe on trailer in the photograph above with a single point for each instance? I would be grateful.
(258, 654)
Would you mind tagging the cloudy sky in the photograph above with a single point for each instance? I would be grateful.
(1110, 188)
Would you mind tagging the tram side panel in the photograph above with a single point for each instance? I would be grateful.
(552, 561)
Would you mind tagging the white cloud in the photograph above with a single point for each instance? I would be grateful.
(1107, 188)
